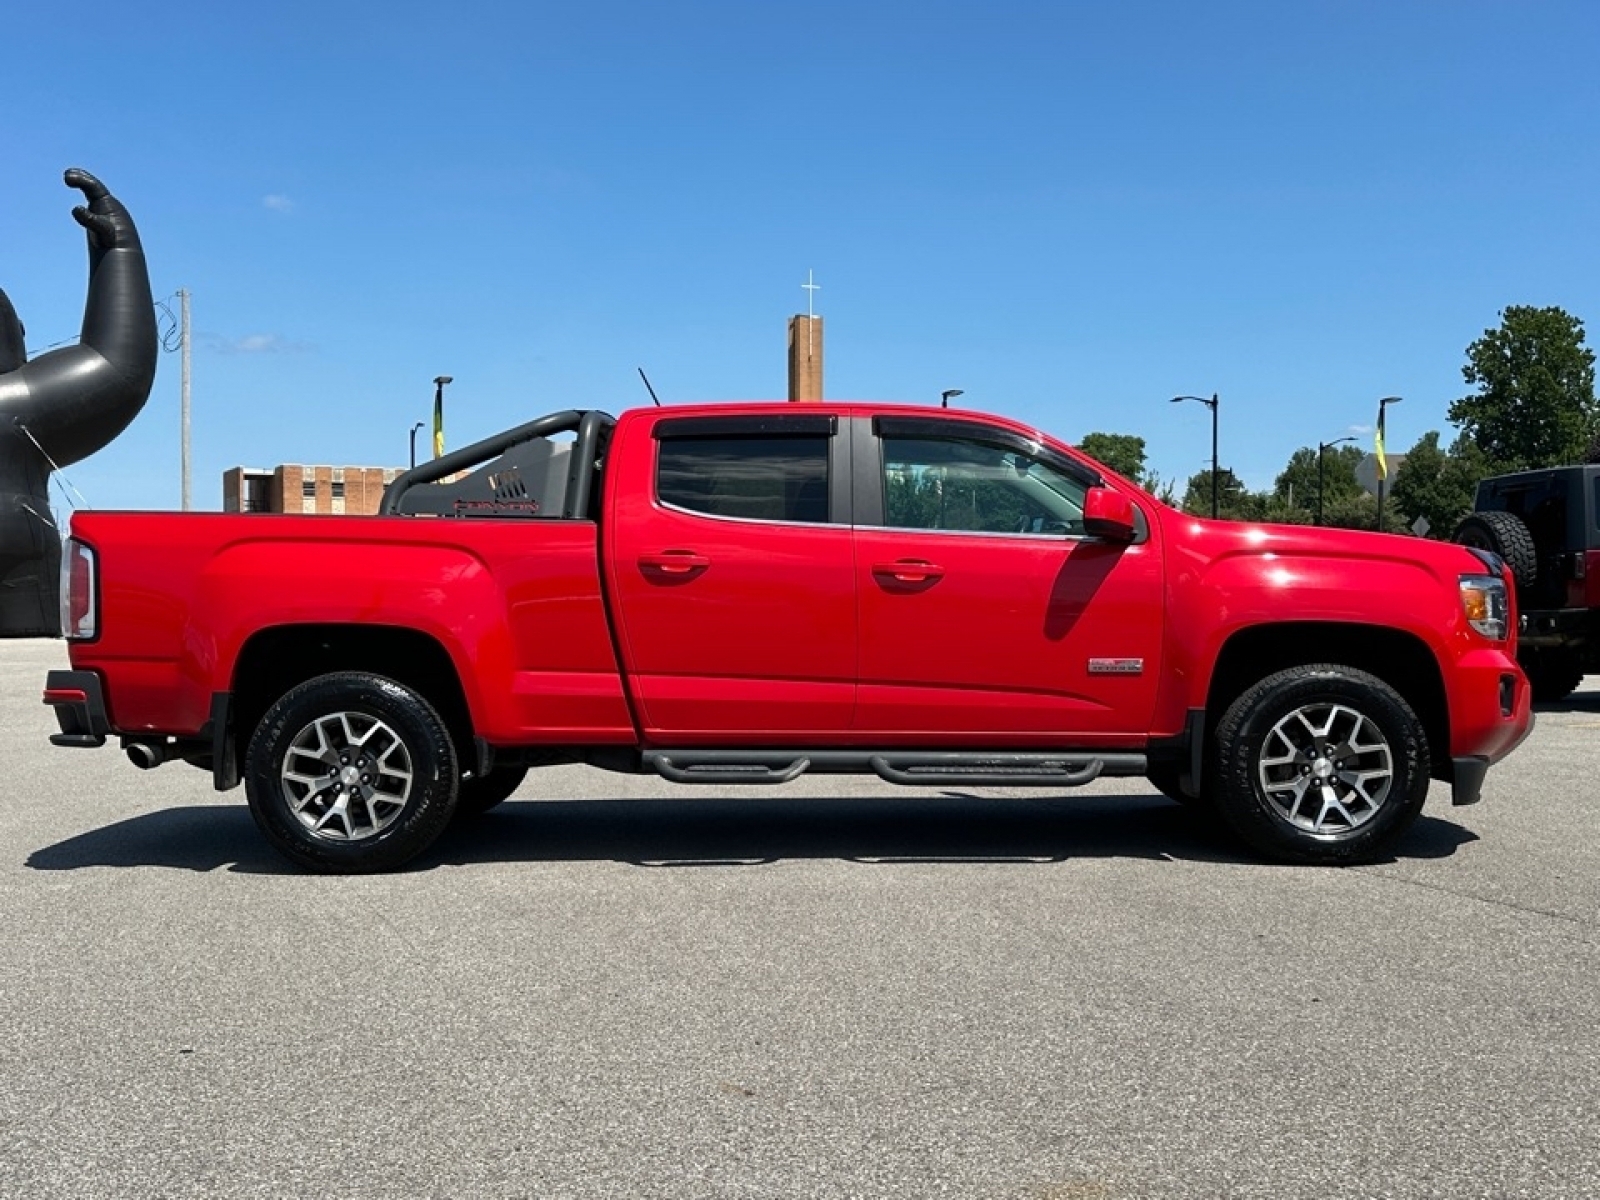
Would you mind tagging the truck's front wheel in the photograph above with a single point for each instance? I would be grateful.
(1321, 764)
(351, 772)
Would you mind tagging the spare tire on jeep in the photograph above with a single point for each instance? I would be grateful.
(1504, 534)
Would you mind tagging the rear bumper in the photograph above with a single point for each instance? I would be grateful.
(79, 700)
(1558, 627)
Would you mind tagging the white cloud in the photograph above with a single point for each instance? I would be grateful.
(253, 343)
(278, 203)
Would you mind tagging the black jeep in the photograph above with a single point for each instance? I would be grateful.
(1546, 525)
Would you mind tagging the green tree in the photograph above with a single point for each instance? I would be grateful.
(1296, 485)
(1437, 485)
(1234, 503)
(1359, 511)
(1535, 404)
(1164, 490)
(1268, 506)
(1334, 471)
(1122, 452)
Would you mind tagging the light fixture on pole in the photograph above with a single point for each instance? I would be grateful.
(1383, 457)
(947, 395)
(414, 429)
(1322, 448)
(1212, 405)
(438, 412)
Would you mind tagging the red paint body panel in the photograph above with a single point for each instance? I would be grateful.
(1227, 577)
(738, 632)
(516, 606)
(755, 639)
(999, 643)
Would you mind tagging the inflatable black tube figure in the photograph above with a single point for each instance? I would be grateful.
(68, 403)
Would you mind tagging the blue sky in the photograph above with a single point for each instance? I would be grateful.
(1070, 211)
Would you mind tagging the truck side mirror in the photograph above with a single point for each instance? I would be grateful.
(1108, 515)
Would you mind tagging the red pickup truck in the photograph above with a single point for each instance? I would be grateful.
(741, 593)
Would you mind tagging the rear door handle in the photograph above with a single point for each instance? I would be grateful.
(908, 571)
(674, 562)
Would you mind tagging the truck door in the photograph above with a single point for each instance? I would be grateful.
(731, 569)
(986, 613)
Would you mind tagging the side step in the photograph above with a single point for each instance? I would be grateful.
(912, 768)
(680, 767)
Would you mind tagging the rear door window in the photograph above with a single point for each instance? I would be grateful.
(755, 470)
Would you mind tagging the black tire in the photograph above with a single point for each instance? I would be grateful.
(351, 772)
(1504, 534)
(1552, 674)
(476, 796)
(1334, 723)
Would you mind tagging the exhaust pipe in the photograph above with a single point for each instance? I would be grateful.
(146, 755)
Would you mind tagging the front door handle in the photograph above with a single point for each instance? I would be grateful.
(674, 562)
(908, 570)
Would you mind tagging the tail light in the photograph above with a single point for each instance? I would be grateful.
(80, 612)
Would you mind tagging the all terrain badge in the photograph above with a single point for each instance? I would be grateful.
(1116, 666)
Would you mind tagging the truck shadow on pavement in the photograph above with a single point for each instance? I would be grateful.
(953, 828)
(1577, 702)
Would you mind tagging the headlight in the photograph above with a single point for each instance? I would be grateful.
(1483, 599)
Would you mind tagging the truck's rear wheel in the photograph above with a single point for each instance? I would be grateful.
(351, 772)
(1321, 764)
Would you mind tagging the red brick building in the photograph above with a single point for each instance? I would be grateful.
(306, 489)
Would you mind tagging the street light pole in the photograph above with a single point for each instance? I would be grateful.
(414, 429)
(438, 412)
(1383, 454)
(1212, 405)
(948, 395)
(1322, 449)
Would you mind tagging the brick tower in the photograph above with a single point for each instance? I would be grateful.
(805, 358)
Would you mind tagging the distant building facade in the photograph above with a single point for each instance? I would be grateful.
(329, 491)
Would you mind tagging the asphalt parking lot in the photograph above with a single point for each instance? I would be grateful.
(610, 987)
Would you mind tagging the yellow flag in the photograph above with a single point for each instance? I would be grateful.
(438, 426)
(1377, 444)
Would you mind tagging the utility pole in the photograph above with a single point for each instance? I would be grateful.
(183, 406)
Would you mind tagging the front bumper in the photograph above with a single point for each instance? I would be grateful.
(1491, 713)
(80, 704)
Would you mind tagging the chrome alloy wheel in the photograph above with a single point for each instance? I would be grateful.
(1326, 768)
(346, 777)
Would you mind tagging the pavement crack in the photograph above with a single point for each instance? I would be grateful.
(1492, 902)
